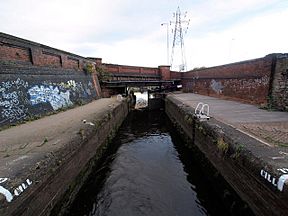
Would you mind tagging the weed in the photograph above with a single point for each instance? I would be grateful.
(188, 119)
(102, 74)
(89, 68)
(222, 145)
(82, 133)
(239, 148)
(269, 106)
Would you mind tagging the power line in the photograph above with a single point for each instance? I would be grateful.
(178, 59)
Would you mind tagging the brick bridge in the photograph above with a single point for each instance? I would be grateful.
(122, 76)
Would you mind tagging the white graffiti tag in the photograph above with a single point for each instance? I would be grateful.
(16, 192)
(276, 182)
(10, 94)
(13, 83)
(4, 191)
(50, 94)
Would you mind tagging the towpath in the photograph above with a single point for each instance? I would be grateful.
(49, 133)
(270, 127)
(31, 152)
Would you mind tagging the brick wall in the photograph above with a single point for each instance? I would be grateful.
(165, 72)
(125, 72)
(37, 79)
(279, 91)
(176, 75)
(13, 49)
(50, 59)
(12, 52)
(73, 63)
(247, 81)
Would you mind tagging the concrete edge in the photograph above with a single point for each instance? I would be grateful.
(58, 177)
(234, 155)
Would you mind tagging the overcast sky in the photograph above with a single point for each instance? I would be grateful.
(130, 32)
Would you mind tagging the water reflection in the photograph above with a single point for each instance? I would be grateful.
(147, 178)
(149, 174)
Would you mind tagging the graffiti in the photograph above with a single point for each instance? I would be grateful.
(17, 96)
(15, 84)
(4, 191)
(283, 170)
(90, 85)
(248, 83)
(276, 182)
(71, 83)
(216, 86)
(16, 192)
(10, 94)
(76, 89)
(51, 95)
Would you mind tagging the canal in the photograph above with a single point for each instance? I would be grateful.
(148, 171)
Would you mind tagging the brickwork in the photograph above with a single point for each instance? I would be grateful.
(124, 72)
(165, 72)
(131, 73)
(72, 63)
(22, 51)
(14, 53)
(246, 81)
(36, 80)
(279, 95)
(175, 75)
(50, 59)
(132, 70)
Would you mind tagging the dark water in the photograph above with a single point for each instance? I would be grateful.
(149, 172)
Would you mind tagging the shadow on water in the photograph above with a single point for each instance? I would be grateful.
(148, 171)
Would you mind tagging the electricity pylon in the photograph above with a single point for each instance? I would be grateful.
(178, 58)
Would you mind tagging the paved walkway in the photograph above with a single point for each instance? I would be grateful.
(270, 127)
(31, 141)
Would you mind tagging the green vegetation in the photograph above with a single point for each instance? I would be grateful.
(269, 105)
(82, 133)
(188, 119)
(201, 129)
(222, 145)
(89, 68)
(239, 149)
(102, 74)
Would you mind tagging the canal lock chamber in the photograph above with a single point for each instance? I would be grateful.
(151, 167)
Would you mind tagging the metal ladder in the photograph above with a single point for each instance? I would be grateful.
(202, 111)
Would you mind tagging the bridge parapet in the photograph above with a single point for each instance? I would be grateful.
(164, 70)
(127, 72)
